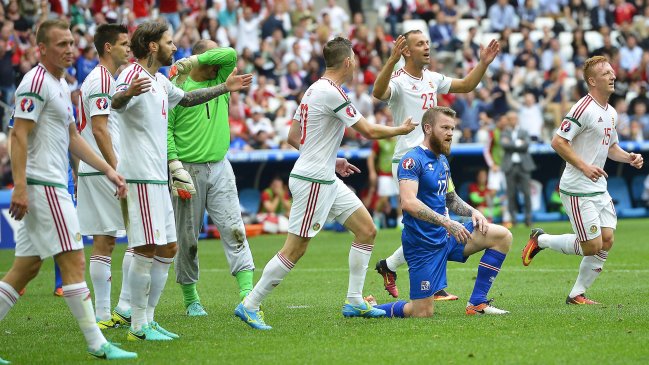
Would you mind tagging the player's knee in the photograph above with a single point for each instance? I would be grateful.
(366, 234)
(423, 312)
(169, 250)
(592, 247)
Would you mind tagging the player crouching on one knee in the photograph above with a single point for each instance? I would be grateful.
(430, 239)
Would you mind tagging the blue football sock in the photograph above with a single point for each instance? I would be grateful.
(58, 280)
(394, 309)
(488, 269)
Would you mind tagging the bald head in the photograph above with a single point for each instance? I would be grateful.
(203, 45)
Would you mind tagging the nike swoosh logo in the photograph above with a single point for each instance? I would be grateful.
(141, 337)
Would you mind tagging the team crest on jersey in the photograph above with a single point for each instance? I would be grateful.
(425, 285)
(593, 229)
(408, 163)
(157, 234)
(430, 166)
(350, 111)
(27, 105)
(565, 126)
(102, 103)
(316, 227)
(77, 237)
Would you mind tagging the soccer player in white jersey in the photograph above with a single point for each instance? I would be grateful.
(99, 212)
(44, 130)
(149, 215)
(317, 130)
(585, 139)
(411, 90)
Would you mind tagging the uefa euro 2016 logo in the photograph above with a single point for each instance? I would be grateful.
(102, 103)
(27, 105)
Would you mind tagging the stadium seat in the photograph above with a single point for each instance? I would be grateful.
(249, 199)
(536, 35)
(637, 187)
(593, 39)
(485, 25)
(514, 39)
(622, 199)
(463, 26)
(565, 39)
(542, 22)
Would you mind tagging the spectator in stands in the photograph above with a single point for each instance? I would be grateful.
(641, 117)
(290, 84)
(472, 9)
(339, 19)
(517, 165)
(499, 100)
(624, 12)
(502, 15)
(504, 61)
(86, 63)
(551, 8)
(398, 11)
(261, 130)
(529, 51)
(486, 200)
(425, 11)
(555, 106)
(607, 49)
(575, 15)
(362, 100)
(467, 107)
(6, 179)
(493, 154)
(247, 33)
(601, 15)
(552, 55)
(528, 11)
(623, 125)
(442, 36)
(275, 206)
(228, 15)
(531, 111)
(631, 54)
(7, 75)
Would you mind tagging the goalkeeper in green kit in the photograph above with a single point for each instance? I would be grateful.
(198, 138)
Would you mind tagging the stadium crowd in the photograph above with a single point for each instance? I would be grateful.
(537, 74)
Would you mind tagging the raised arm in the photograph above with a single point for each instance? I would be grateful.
(378, 131)
(381, 89)
(470, 81)
(234, 82)
(136, 87)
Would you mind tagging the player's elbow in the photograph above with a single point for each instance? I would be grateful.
(557, 142)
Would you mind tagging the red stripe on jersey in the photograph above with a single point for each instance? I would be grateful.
(582, 106)
(9, 295)
(578, 221)
(66, 233)
(55, 216)
(397, 73)
(37, 81)
(337, 88)
(313, 206)
(309, 205)
(148, 237)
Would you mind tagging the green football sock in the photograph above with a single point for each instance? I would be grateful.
(244, 278)
(190, 295)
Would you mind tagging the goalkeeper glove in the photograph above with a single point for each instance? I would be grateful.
(180, 70)
(181, 182)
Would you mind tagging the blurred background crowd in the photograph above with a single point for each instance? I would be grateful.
(535, 79)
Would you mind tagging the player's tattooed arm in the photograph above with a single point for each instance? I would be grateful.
(456, 229)
(201, 96)
(458, 206)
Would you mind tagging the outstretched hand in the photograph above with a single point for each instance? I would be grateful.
(236, 82)
(400, 45)
(344, 168)
(138, 86)
(489, 53)
(409, 125)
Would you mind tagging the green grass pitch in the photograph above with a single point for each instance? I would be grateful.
(309, 328)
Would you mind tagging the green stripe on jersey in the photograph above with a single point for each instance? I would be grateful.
(32, 95)
(154, 182)
(342, 106)
(581, 195)
(90, 174)
(44, 183)
(323, 182)
(100, 95)
(573, 120)
(395, 160)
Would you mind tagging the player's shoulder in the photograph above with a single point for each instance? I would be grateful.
(429, 75)
(329, 89)
(413, 156)
(34, 81)
(398, 75)
(129, 72)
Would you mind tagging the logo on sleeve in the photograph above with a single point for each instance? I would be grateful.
(408, 163)
(565, 126)
(351, 111)
(27, 105)
(102, 103)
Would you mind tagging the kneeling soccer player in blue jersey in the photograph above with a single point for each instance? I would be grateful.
(429, 238)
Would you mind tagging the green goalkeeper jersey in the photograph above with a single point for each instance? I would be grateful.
(201, 133)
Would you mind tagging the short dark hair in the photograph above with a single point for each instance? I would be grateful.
(201, 46)
(408, 33)
(44, 29)
(336, 50)
(144, 34)
(431, 115)
(107, 33)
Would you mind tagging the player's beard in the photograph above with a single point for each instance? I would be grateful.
(165, 60)
(439, 145)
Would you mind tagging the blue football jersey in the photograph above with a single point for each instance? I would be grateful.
(434, 177)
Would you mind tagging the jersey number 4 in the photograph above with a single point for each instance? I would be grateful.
(304, 114)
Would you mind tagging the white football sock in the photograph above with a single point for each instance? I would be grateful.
(77, 296)
(274, 272)
(396, 259)
(124, 303)
(564, 243)
(8, 298)
(139, 280)
(359, 258)
(159, 274)
(101, 284)
(589, 270)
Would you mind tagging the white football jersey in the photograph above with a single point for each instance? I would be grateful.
(143, 127)
(590, 128)
(411, 97)
(45, 100)
(324, 113)
(95, 99)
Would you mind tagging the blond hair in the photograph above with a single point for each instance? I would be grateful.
(590, 64)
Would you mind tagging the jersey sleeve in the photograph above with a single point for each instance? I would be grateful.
(175, 93)
(409, 168)
(614, 136)
(443, 83)
(224, 57)
(395, 90)
(342, 107)
(573, 123)
(30, 96)
(98, 95)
